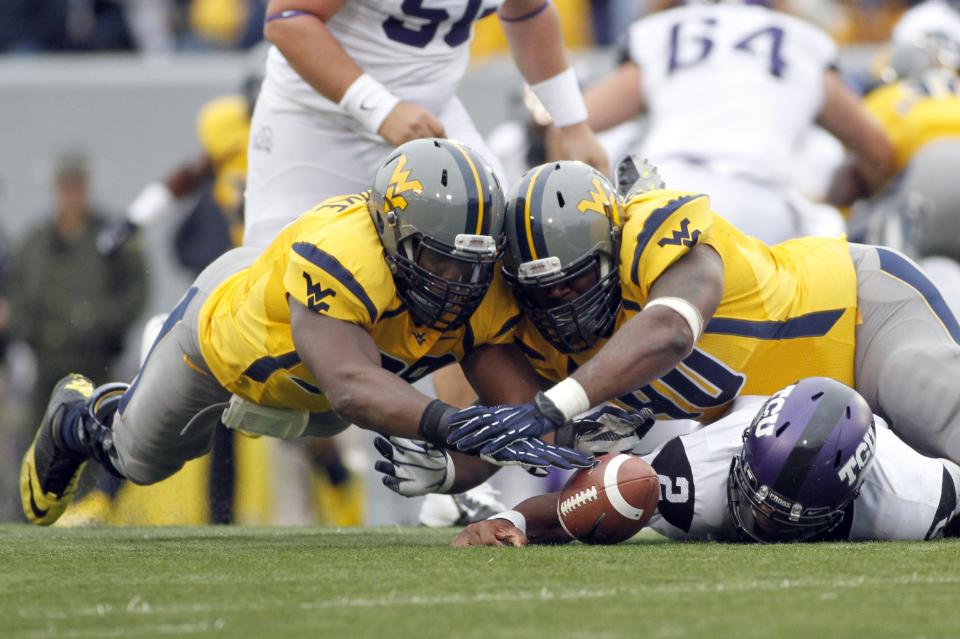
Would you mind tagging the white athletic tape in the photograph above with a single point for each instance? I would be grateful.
(612, 488)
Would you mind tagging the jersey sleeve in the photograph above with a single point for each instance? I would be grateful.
(662, 227)
(817, 43)
(642, 38)
(677, 495)
(338, 276)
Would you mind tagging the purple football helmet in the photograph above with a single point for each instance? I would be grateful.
(804, 458)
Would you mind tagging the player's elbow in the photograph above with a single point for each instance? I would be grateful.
(284, 32)
(674, 335)
(346, 395)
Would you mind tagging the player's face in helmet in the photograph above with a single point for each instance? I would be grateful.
(563, 223)
(439, 211)
(553, 295)
(804, 458)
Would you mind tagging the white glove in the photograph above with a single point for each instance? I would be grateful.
(607, 429)
(413, 468)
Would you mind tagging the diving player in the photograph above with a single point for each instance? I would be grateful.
(362, 295)
(813, 465)
(731, 89)
(663, 304)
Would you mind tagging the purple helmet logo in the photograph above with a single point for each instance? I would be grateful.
(804, 458)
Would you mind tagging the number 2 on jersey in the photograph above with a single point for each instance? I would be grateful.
(399, 31)
(692, 43)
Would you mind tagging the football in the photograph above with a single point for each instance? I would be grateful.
(610, 502)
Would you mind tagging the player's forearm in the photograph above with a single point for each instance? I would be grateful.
(187, 177)
(377, 400)
(469, 472)
(615, 99)
(543, 524)
(648, 346)
(535, 42)
(314, 53)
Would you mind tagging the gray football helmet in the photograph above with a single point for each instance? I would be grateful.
(929, 52)
(563, 226)
(920, 215)
(439, 210)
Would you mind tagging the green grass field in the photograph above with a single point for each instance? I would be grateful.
(405, 582)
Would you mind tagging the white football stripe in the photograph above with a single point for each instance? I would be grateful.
(612, 488)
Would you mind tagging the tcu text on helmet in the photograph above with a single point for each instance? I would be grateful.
(851, 470)
(767, 419)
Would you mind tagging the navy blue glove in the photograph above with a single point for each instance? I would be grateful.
(485, 430)
(536, 456)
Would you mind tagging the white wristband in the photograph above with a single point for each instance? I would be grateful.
(561, 97)
(514, 517)
(686, 310)
(369, 102)
(153, 202)
(569, 397)
(451, 477)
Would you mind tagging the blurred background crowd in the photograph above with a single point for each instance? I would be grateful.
(101, 97)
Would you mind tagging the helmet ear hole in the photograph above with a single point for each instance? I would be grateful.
(560, 199)
(443, 178)
(380, 224)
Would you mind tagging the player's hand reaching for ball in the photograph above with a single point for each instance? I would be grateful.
(408, 121)
(490, 532)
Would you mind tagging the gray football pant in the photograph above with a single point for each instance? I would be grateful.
(907, 362)
(168, 415)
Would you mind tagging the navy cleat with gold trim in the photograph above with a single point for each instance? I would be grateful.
(49, 472)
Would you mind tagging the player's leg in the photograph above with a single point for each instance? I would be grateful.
(907, 362)
(115, 423)
(905, 495)
(168, 415)
(297, 159)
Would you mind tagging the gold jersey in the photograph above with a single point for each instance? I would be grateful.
(917, 111)
(223, 127)
(787, 312)
(331, 261)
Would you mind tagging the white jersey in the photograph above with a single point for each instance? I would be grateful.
(418, 49)
(930, 17)
(905, 495)
(734, 86)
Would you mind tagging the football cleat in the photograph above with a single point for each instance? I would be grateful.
(49, 472)
(637, 176)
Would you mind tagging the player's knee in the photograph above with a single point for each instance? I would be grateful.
(919, 389)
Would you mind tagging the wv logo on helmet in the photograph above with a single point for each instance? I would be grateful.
(315, 293)
(400, 183)
(599, 202)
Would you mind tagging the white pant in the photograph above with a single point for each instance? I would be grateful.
(757, 208)
(299, 157)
